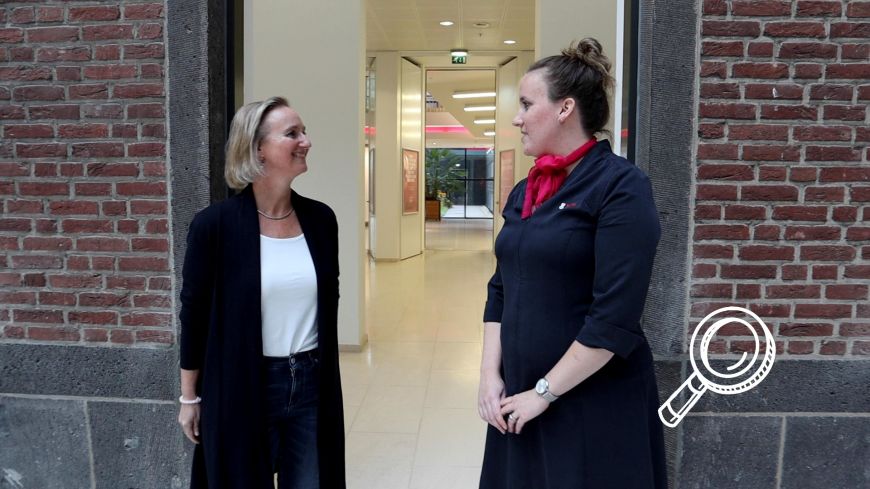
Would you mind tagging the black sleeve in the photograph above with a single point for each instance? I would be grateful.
(495, 290)
(625, 245)
(196, 294)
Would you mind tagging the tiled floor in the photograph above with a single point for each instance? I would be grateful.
(459, 234)
(410, 396)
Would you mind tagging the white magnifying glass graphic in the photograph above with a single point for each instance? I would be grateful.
(738, 377)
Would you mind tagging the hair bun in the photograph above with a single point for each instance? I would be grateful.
(589, 52)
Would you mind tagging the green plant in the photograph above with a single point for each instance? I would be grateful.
(444, 170)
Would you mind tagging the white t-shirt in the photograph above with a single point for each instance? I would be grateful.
(288, 296)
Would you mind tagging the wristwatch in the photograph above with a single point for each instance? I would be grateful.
(543, 390)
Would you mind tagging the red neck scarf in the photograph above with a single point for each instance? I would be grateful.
(548, 175)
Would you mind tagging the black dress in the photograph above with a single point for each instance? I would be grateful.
(579, 269)
(221, 335)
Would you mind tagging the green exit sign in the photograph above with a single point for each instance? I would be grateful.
(459, 60)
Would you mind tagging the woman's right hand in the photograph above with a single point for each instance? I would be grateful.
(188, 418)
(489, 397)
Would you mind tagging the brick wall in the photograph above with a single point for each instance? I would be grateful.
(782, 175)
(84, 235)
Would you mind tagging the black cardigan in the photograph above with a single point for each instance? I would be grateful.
(221, 336)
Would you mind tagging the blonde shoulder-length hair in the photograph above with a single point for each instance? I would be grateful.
(246, 131)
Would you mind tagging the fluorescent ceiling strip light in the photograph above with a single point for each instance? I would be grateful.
(473, 94)
(479, 108)
(484, 121)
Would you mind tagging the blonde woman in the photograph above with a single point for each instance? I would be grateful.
(260, 387)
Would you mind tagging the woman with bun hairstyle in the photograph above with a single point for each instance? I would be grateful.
(260, 387)
(567, 383)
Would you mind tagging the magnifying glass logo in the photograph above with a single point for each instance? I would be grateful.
(738, 377)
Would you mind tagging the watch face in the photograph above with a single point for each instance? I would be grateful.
(541, 386)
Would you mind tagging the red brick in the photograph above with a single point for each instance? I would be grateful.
(128, 226)
(57, 299)
(97, 150)
(146, 319)
(794, 272)
(845, 214)
(25, 73)
(823, 133)
(789, 112)
(125, 283)
(49, 14)
(107, 32)
(748, 271)
(150, 244)
(28, 131)
(855, 51)
(70, 281)
(793, 291)
(46, 226)
(104, 299)
(802, 174)
(74, 207)
(748, 291)
(722, 48)
(825, 272)
(148, 264)
(52, 34)
(22, 225)
(33, 243)
(93, 189)
(22, 15)
(8, 112)
(714, 69)
(794, 29)
(110, 72)
(769, 192)
(727, 110)
(725, 172)
(815, 8)
(143, 11)
(760, 8)
(720, 291)
(845, 112)
(114, 208)
(707, 212)
(41, 316)
(141, 188)
(54, 112)
(104, 169)
(146, 149)
(102, 244)
(760, 49)
(110, 52)
(860, 194)
(772, 173)
(730, 28)
(24, 207)
(154, 131)
(764, 252)
(850, 29)
(138, 90)
(759, 70)
(154, 336)
(862, 134)
(832, 348)
(771, 153)
(704, 308)
(824, 311)
(806, 329)
(17, 298)
(20, 54)
(720, 90)
(121, 336)
(855, 329)
(38, 92)
(96, 335)
(857, 71)
(800, 347)
(857, 233)
(823, 194)
(52, 334)
(708, 151)
(45, 169)
(831, 92)
(715, 7)
(745, 213)
(77, 131)
(844, 174)
(766, 232)
(808, 50)
(68, 73)
(43, 188)
(93, 317)
(807, 71)
(151, 70)
(827, 253)
(812, 233)
(856, 271)
(861, 348)
(144, 51)
(858, 9)
(96, 13)
(152, 300)
(758, 132)
(846, 292)
(712, 251)
(104, 111)
(87, 226)
(78, 262)
(715, 192)
(711, 131)
(13, 332)
(89, 91)
(832, 153)
(150, 31)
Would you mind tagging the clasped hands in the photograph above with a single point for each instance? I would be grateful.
(507, 414)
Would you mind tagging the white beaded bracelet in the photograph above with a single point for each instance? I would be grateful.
(182, 400)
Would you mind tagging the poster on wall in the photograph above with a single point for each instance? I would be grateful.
(410, 181)
(506, 165)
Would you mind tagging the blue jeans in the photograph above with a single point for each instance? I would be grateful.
(291, 403)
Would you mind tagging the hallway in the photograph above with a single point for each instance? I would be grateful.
(411, 394)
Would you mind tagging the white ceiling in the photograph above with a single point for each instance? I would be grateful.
(412, 25)
(441, 84)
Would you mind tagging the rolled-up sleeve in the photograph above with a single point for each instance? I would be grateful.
(196, 295)
(626, 238)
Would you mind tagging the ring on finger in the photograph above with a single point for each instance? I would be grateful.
(511, 417)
